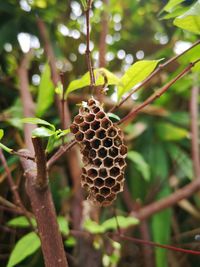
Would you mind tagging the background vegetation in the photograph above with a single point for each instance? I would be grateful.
(163, 151)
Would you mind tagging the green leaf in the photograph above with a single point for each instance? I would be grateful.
(45, 92)
(171, 4)
(63, 225)
(161, 224)
(136, 74)
(84, 3)
(1, 133)
(175, 13)
(42, 132)
(51, 141)
(26, 246)
(93, 227)
(169, 132)
(190, 20)
(113, 116)
(38, 121)
(21, 222)
(121, 221)
(70, 242)
(110, 224)
(103, 76)
(63, 132)
(59, 89)
(140, 164)
(7, 149)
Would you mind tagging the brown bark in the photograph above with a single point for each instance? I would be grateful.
(45, 215)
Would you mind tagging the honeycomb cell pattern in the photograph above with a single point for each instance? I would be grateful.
(103, 153)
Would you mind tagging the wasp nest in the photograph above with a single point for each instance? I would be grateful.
(103, 151)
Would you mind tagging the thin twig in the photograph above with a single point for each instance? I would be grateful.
(153, 244)
(171, 200)
(14, 188)
(157, 94)
(60, 152)
(153, 74)
(87, 52)
(22, 155)
(195, 130)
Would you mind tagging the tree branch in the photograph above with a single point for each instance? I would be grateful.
(59, 153)
(26, 98)
(157, 94)
(87, 52)
(153, 74)
(40, 158)
(194, 130)
(45, 215)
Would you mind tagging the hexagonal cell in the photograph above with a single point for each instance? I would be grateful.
(89, 134)
(99, 182)
(100, 115)
(123, 150)
(107, 142)
(85, 145)
(100, 198)
(116, 188)
(95, 125)
(120, 178)
(94, 189)
(86, 160)
(111, 197)
(101, 134)
(91, 102)
(112, 132)
(113, 152)
(84, 126)
(114, 171)
(103, 173)
(108, 162)
(96, 109)
(102, 153)
(118, 141)
(97, 162)
(120, 161)
(89, 181)
(84, 171)
(89, 117)
(79, 136)
(95, 143)
(92, 153)
(92, 173)
(109, 182)
(78, 119)
(105, 123)
(74, 128)
(104, 191)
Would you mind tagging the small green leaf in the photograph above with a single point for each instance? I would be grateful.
(1, 133)
(26, 246)
(170, 132)
(38, 121)
(63, 225)
(84, 3)
(103, 76)
(7, 149)
(42, 132)
(51, 141)
(136, 74)
(93, 227)
(121, 221)
(190, 20)
(113, 116)
(59, 89)
(45, 92)
(140, 164)
(70, 242)
(171, 4)
(21, 222)
(63, 132)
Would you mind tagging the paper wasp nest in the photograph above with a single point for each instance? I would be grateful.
(103, 151)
